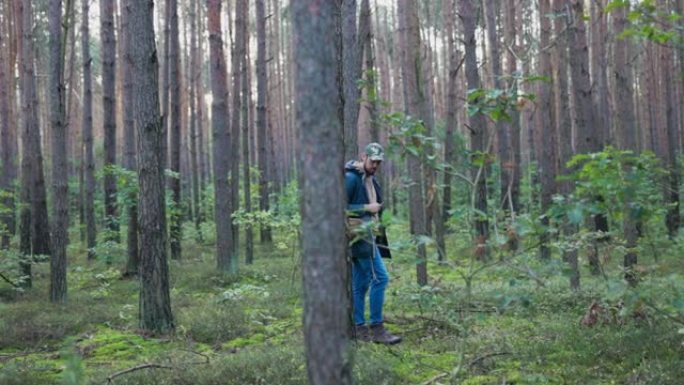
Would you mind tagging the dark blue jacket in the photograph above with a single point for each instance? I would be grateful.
(357, 197)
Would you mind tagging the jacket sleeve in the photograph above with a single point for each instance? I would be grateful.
(350, 181)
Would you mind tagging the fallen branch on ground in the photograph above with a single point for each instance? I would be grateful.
(110, 379)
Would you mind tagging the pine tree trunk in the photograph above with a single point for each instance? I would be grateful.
(8, 137)
(351, 64)
(238, 54)
(195, 102)
(547, 130)
(564, 128)
(87, 128)
(513, 166)
(60, 203)
(129, 157)
(261, 116)
(587, 139)
(626, 134)
(411, 63)
(451, 116)
(246, 129)
(323, 242)
(109, 114)
(155, 302)
(221, 139)
(478, 134)
(174, 125)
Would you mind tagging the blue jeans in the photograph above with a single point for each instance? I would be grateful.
(369, 273)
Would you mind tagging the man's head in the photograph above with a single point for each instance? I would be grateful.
(372, 156)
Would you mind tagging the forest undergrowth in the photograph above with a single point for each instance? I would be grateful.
(518, 323)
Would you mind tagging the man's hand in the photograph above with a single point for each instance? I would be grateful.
(373, 208)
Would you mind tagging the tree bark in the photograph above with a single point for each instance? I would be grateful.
(564, 127)
(411, 63)
(87, 127)
(155, 302)
(261, 118)
(477, 128)
(246, 129)
(8, 135)
(60, 203)
(351, 64)
(174, 125)
(451, 116)
(324, 247)
(129, 157)
(547, 130)
(513, 166)
(587, 139)
(627, 130)
(221, 140)
(238, 54)
(109, 114)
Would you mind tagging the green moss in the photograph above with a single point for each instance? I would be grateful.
(254, 339)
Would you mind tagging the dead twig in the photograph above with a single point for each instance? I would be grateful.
(110, 379)
(8, 280)
(488, 355)
(435, 379)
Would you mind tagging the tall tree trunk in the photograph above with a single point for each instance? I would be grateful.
(323, 243)
(451, 117)
(672, 134)
(502, 129)
(8, 136)
(513, 166)
(34, 237)
(87, 128)
(221, 139)
(587, 139)
(129, 157)
(238, 54)
(60, 203)
(478, 134)
(175, 120)
(261, 118)
(246, 129)
(547, 130)
(155, 302)
(351, 64)
(626, 134)
(195, 103)
(109, 114)
(411, 63)
(564, 127)
(599, 66)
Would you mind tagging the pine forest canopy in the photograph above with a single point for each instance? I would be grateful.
(179, 147)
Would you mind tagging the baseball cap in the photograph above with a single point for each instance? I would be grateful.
(375, 151)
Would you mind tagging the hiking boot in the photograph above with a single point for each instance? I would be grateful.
(361, 333)
(380, 335)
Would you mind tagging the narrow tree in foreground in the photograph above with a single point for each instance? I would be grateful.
(129, 156)
(627, 134)
(175, 128)
(411, 63)
(155, 302)
(547, 129)
(60, 203)
(8, 130)
(219, 122)
(478, 134)
(322, 203)
(261, 117)
(109, 114)
(87, 128)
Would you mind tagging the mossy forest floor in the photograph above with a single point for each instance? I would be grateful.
(520, 324)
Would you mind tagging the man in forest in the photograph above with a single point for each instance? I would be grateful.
(364, 206)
